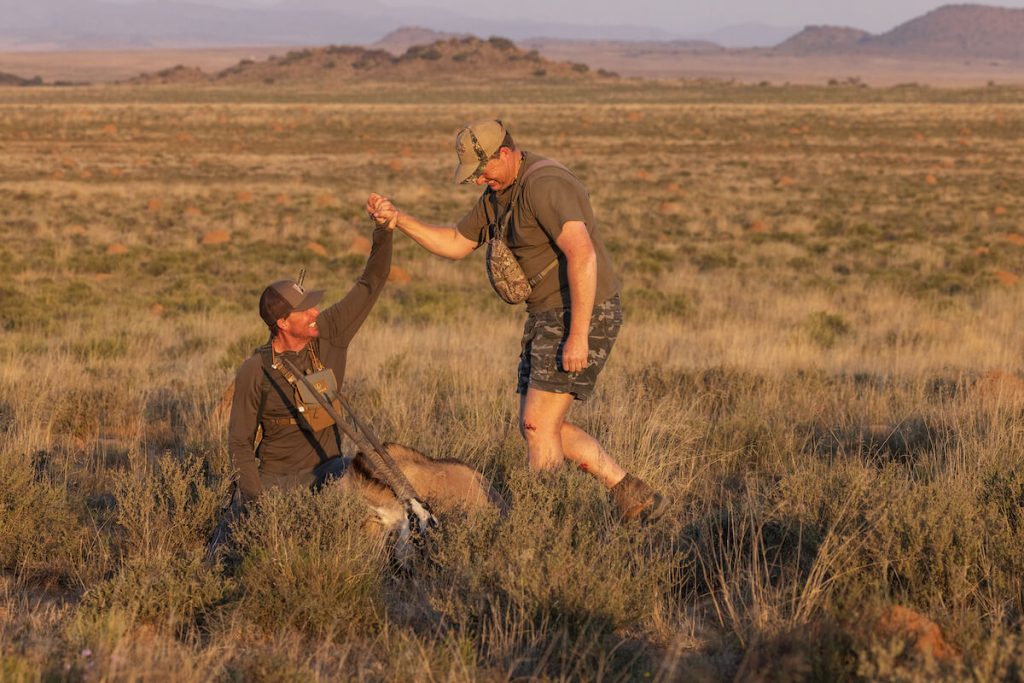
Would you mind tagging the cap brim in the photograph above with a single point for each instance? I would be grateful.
(467, 172)
(311, 299)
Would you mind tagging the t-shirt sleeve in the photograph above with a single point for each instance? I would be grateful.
(555, 201)
(474, 224)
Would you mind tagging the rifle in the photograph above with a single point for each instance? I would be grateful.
(229, 511)
(380, 463)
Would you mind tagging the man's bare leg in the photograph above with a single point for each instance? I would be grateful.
(550, 439)
(584, 450)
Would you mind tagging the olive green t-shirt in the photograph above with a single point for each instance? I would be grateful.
(551, 197)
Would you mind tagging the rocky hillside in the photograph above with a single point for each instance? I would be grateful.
(456, 58)
(949, 32)
(818, 39)
(174, 75)
(11, 79)
(958, 31)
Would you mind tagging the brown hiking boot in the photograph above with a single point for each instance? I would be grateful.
(636, 500)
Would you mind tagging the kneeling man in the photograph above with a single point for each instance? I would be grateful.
(301, 444)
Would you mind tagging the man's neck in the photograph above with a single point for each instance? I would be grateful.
(285, 342)
(518, 162)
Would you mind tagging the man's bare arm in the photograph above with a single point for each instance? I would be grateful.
(442, 240)
(581, 267)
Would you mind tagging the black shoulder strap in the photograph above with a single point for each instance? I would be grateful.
(499, 226)
(543, 163)
(517, 193)
(265, 354)
(520, 186)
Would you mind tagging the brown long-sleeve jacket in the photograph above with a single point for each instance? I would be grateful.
(285, 448)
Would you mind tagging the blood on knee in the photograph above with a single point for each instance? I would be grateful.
(583, 467)
(529, 427)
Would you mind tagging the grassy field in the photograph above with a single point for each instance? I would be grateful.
(821, 362)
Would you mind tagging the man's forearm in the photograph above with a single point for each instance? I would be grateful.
(582, 275)
(378, 264)
(442, 240)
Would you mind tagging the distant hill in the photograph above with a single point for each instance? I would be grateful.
(818, 39)
(174, 75)
(963, 31)
(560, 48)
(11, 79)
(399, 41)
(949, 32)
(456, 58)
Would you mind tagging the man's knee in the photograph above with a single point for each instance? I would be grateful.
(539, 428)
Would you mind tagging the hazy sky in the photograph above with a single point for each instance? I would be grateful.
(678, 16)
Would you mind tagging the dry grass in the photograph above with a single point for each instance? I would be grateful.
(820, 362)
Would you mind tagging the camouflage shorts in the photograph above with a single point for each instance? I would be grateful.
(540, 363)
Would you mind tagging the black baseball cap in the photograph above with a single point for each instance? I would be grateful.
(286, 296)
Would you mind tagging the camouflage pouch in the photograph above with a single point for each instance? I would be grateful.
(503, 270)
(505, 274)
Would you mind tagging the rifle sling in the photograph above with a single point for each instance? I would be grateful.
(381, 464)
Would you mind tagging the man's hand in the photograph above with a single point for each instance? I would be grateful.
(382, 211)
(574, 354)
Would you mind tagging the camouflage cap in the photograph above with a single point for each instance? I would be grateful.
(475, 145)
(283, 297)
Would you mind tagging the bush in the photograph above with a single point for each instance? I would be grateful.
(826, 329)
(503, 44)
(561, 571)
(165, 508)
(38, 528)
(176, 592)
(306, 562)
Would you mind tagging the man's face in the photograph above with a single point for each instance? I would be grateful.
(301, 324)
(500, 172)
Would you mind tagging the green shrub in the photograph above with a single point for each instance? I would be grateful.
(826, 329)
(170, 591)
(307, 563)
(561, 570)
(165, 508)
(501, 43)
(39, 531)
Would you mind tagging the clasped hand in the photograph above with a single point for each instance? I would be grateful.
(382, 211)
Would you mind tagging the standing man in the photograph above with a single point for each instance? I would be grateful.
(573, 309)
(301, 444)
